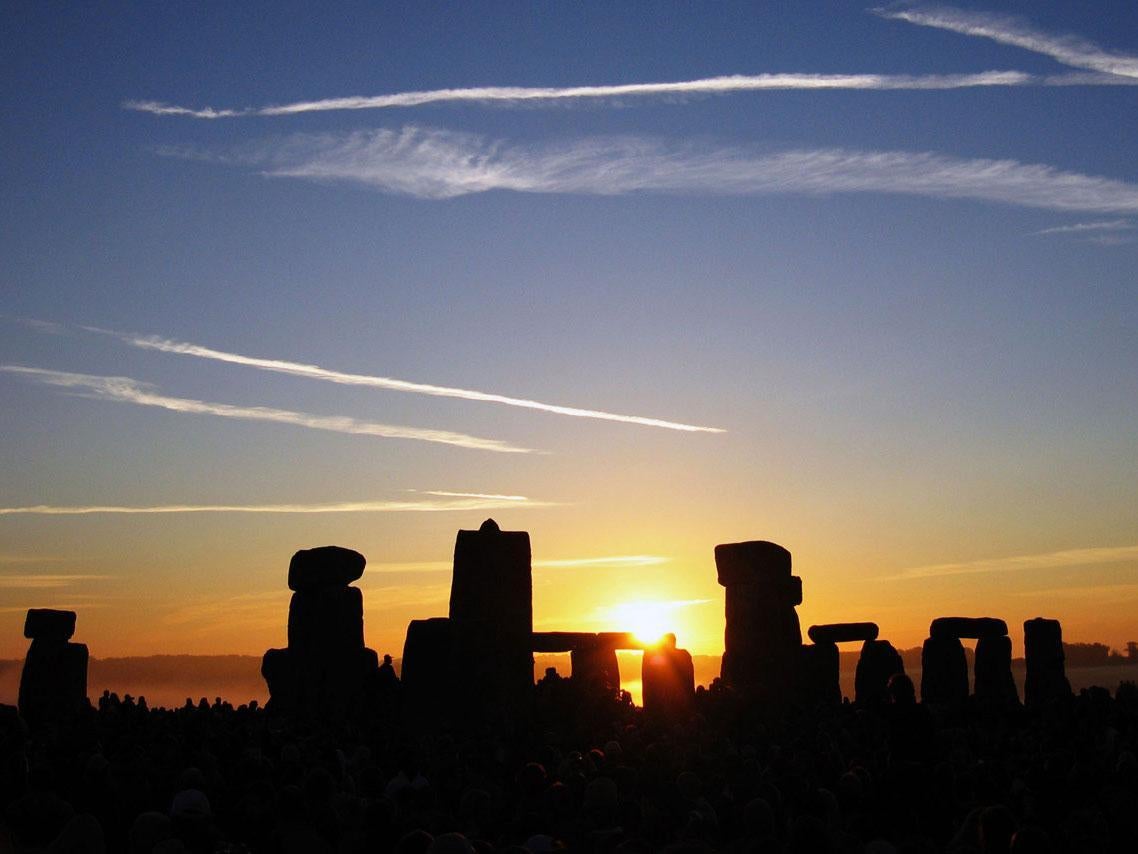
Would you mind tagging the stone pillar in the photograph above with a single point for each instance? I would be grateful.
(820, 674)
(1046, 672)
(595, 670)
(325, 670)
(667, 679)
(763, 638)
(428, 673)
(993, 680)
(944, 672)
(491, 613)
(878, 662)
(53, 684)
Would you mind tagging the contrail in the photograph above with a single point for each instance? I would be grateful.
(316, 372)
(723, 85)
(439, 164)
(1072, 51)
(1083, 227)
(127, 390)
(341, 507)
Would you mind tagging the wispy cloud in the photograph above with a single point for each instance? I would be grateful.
(1070, 50)
(127, 390)
(723, 85)
(1048, 560)
(182, 348)
(449, 506)
(45, 582)
(439, 164)
(1085, 227)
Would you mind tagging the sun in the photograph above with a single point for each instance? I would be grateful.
(648, 621)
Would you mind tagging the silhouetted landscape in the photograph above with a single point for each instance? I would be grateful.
(778, 745)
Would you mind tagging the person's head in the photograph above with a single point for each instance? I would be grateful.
(387, 659)
(900, 690)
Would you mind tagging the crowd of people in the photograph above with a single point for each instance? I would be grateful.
(578, 773)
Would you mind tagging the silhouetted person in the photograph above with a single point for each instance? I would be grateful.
(910, 725)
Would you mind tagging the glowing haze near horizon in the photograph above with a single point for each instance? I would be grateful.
(859, 281)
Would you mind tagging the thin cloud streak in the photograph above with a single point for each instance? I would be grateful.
(1072, 51)
(163, 345)
(723, 85)
(127, 390)
(439, 164)
(1049, 560)
(1083, 227)
(466, 504)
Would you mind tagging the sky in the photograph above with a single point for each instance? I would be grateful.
(636, 278)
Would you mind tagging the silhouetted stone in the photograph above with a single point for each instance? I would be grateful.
(967, 627)
(326, 671)
(326, 621)
(429, 666)
(944, 672)
(820, 674)
(49, 625)
(878, 662)
(667, 679)
(569, 641)
(325, 566)
(1046, 679)
(993, 671)
(491, 612)
(745, 563)
(595, 670)
(762, 636)
(843, 632)
(53, 683)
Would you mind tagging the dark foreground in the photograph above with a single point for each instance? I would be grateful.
(605, 778)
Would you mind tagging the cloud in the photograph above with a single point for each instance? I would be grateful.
(1069, 50)
(439, 164)
(1049, 560)
(723, 85)
(127, 390)
(463, 504)
(45, 582)
(316, 372)
(1083, 227)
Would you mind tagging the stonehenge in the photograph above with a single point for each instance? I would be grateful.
(944, 667)
(668, 679)
(53, 683)
(325, 670)
(1046, 680)
(762, 637)
(821, 663)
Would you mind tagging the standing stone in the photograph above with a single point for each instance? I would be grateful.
(944, 672)
(53, 684)
(325, 671)
(762, 638)
(993, 677)
(820, 674)
(667, 678)
(1046, 679)
(428, 674)
(491, 612)
(878, 662)
(595, 670)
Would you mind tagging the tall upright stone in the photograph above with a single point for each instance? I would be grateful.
(944, 672)
(667, 677)
(1046, 679)
(878, 663)
(53, 684)
(491, 613)
(993, 681)
(325, 670)
(820, 674)
(763, 638)
(595, 670)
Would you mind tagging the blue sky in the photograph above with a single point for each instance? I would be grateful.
(906, 298)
